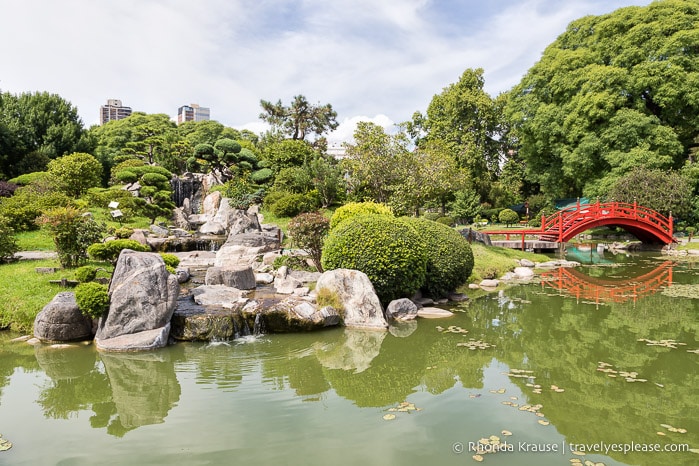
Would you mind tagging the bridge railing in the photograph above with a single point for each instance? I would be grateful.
(557, 224)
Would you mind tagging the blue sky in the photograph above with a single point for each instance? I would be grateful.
(378, 60)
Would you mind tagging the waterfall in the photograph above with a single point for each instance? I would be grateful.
(259, 326)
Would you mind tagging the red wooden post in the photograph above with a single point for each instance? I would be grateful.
(635, 214)
(670, 224)
(522, 241)
(560, 226)
(543, 223)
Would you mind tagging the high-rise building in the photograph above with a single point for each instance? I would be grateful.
(192, 112)
(113, 111)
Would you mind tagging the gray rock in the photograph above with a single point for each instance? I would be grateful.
(474, 235)
(61, 320)
(269, 257)
(140, 236)
(286, 285)
(402, 328)
(179, 219)
(197, 219)
(362, 307)
(523, 273)
(264, 278)
(301, 291)
(304, 276)
(183, 275)
(489, 283)
(433, 313)
(159, 231)
(143, 299)
(211, 203)
(508, 276)
(221, 296)
(240, 277)
(240, 221)
(473, 286)
(293, 316)
(458, 297)
(424, 301)
(526, 263)
(401, 309)
(212, 228)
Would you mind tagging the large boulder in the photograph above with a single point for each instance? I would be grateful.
(220, 296)
(241, 221)
(143, 297)
(244, 248)
(401, 309)
(354, 290)
(292, 315)
(61, 320)
(241, 277)
(474, 235)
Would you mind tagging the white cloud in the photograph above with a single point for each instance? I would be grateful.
(345, 130)
(365, 57)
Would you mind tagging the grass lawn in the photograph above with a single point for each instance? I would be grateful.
(36, 240)
(494, 261)
(24, 292)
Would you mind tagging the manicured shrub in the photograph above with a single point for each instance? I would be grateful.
(449, 257)
(73, 232)
(262, 176)
(86, 273)
(508, 217)
(432, 215)
(293, 204)
(385, 248)
(448, 221)
(353, 209)
(76, 173)
(123, 232)
(29, 178)
(8, 241)
(110, 250)
(92, 299)
(307, 232)
(170, 260)
(293, 262)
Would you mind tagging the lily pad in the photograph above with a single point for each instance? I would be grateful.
(389, 417)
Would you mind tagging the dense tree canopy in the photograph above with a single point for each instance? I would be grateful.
(36, 127)
(612, 93)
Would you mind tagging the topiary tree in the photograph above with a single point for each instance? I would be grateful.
(86, 273)
(307, 231)
(352, 209)
(110, 250)
(508, 217)
(449, 256)
(76, 173)
(385, 248)
(73, 232)
(155, 195)
(92, 299)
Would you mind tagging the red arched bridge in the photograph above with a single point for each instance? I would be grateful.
(645, 224)
(597, 290)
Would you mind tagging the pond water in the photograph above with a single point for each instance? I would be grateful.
(328, 397)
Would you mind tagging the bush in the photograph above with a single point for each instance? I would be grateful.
(110, 250)
(307, 232)
(449, 257)
(76, 173)
(293, 204)
(432, 216)
(292, 262)
(508, 217)
(170, 260)
(446, 220)
(27, 204)
(86, 273)
(262, 176)
(7, 189)
(73, 232)
(490, 213)
(384, 248)
(92, 299)
(8, 241)
(29, 178)
(353, 209)
(123, 232)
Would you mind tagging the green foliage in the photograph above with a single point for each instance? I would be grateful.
(287, 153)
(448, 221)
(664, 191)
(8, 241)
(241, 193)
(466, 204)
(262, 176)
(123, 232)
(29, 178)
(300, 118)
(508, 217)
(292, 204)
(155, 198)
(328, 297)
(92, 299)
(170, 260)
(110, 250)
(76, 173)
(86, 273)
(293, 262)
(295, 180)
(73, 232)
(307, 231)
(353, 209)
(432, 216)
(449, 257)
(385, 248)
(611, 93)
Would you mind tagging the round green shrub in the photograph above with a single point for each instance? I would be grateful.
(86, 273)
(92, 299)
(110, 250)
(293, 204)
(126, 176)
(432, 215)
(262, 176)
(170, 260)
(8, 241)
(385, 248)
(448, 221)
(508, 217)
(353, 209)
(123, 232)
(449, 257)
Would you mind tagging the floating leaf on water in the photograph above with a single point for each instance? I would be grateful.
(513, 398)
(506, 433)
(543, 422)
(589, 463)
(478, 458)
(611, 375)
(578, 453)
(484, 441)
(659, 385)
(661, 433)
(501, 390)
(681, 431)
(672, 429)
(560, 390)
(575, 461)
(389, 417)
(667, 426)
(694, 450)
(393, 409)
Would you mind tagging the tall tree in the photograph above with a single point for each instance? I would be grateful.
(612, 93)
(300, 119)
(41, 124)
(467, 123)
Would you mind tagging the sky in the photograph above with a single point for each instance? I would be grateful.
(372, 60)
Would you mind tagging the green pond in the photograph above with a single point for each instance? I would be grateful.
(575, 357)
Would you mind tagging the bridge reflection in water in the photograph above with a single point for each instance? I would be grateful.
(604, 290)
